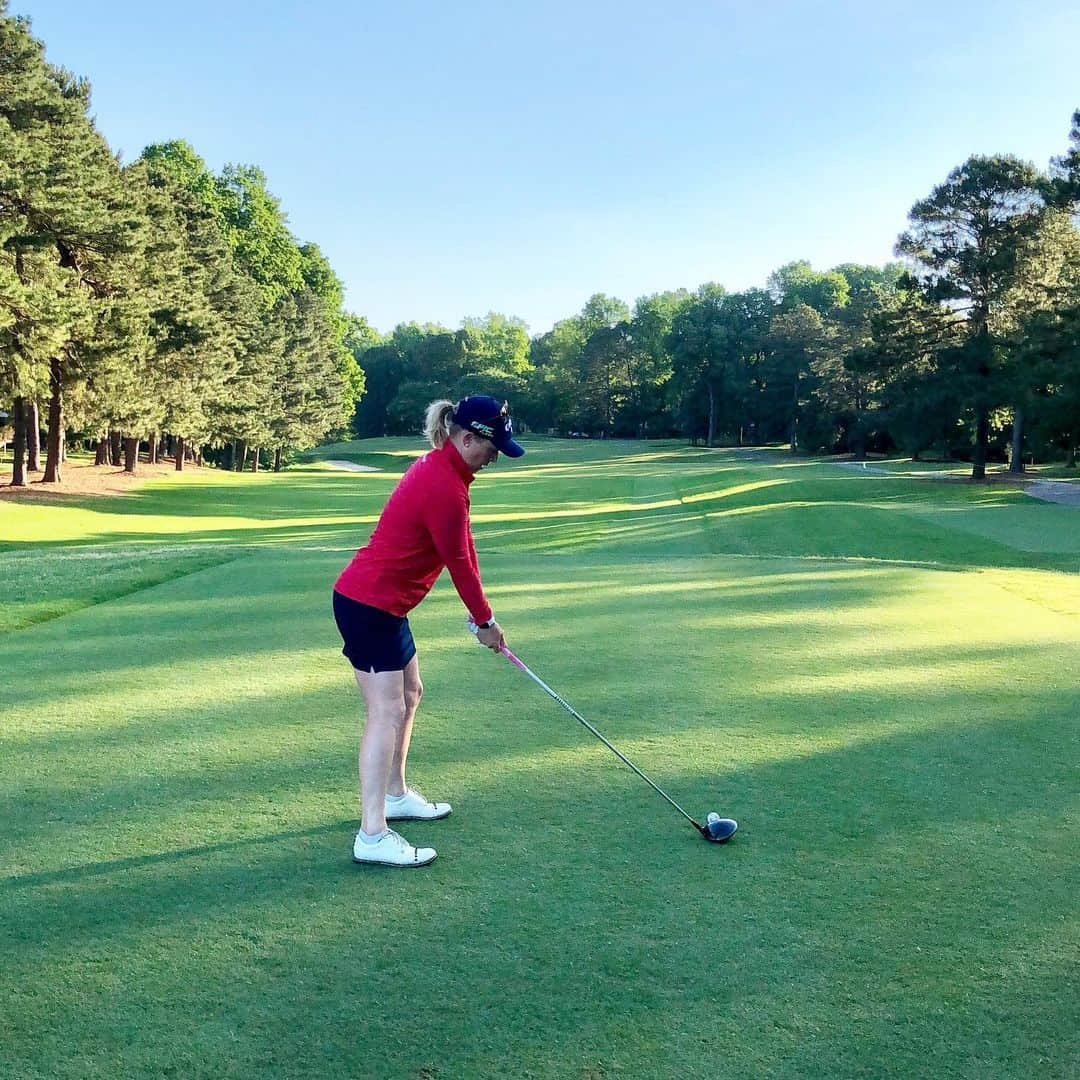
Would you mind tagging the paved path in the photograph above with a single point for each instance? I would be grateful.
(352, 466)
(1063, 492)
(874, 470)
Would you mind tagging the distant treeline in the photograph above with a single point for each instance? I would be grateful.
(153, 302)
(969, 347)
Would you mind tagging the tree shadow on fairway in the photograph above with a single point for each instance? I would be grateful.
(85, 871)
(559, 871)
(840, 907)
(264, 497)
(627, 505)
(258, 607)
(350, 532)
(844, 801)
(164, 762)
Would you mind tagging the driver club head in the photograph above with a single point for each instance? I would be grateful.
(718, 830)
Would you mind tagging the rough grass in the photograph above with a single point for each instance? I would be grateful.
(878, 678)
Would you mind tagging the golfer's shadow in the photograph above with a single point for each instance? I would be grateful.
(135, 862)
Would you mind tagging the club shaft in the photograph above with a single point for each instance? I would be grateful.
(581, 719)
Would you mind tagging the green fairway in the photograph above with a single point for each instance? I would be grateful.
(878, 676)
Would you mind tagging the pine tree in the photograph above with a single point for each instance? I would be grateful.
(198, 327)
(72, 217)
(40, 301)
(967, 244)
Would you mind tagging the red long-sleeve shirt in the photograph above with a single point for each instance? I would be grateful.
(423, 527)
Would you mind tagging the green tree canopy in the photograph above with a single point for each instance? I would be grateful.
(966, 245)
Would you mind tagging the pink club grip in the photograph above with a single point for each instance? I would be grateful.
(513, 659)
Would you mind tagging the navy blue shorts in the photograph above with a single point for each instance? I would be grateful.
(374, 640)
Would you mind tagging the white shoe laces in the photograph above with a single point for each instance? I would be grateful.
(398, 841)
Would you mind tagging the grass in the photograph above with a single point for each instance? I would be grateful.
(878, 677)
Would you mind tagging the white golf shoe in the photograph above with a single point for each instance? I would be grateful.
(412, 806)
(391, 850)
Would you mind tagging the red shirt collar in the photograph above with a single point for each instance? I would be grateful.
(453, 455)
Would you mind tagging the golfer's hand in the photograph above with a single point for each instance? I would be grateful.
(492, 637)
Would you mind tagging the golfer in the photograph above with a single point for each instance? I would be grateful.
(423, 528)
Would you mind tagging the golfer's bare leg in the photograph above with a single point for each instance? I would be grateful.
(414, 690)
(384, 696)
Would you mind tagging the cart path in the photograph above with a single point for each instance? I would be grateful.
(351, 466)
(1062, 492)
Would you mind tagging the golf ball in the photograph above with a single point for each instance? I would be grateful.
(713, 816)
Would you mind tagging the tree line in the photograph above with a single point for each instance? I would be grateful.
(153, 303)
(969, 345)
(159, 305)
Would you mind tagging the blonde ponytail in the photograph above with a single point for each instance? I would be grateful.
(438, 426)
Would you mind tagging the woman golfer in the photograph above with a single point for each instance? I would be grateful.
(423, 528)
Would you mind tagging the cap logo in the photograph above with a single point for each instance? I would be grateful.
(482, 429)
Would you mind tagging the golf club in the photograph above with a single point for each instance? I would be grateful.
(716, 830)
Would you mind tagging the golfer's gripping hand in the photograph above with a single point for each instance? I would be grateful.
(492, 637)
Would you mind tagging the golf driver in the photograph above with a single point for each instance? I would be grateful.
(716, 830)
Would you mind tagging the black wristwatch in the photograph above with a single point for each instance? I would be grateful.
(485, 625)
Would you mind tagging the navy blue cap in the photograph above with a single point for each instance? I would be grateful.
(484, 416)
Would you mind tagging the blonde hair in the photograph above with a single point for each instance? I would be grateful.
(438, 427)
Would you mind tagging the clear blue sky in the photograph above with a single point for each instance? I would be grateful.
(456, 158)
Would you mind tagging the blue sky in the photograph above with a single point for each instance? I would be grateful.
(456, 158)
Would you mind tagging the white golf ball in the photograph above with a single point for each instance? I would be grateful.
(713, 816)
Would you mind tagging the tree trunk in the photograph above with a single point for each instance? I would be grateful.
(114, 448)
(983, 356)
(795, 415)
(56, 423)
(1016, 463)
(255, 460)
(859, 440)
(277, 459)
(1070, 461)
(18, 408)
(179, 453)
(18, 446)
(982, 441)
(241, 456)
(198, 457)
(101, 454)
(33, 437)
(131, 454)
(712, 414)
(151, 448)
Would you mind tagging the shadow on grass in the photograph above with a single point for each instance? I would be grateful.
(913, 777)
(565, 874)
(816, 517)
(139, 862)
(254, 608)
(895, 890)
(899, 904)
